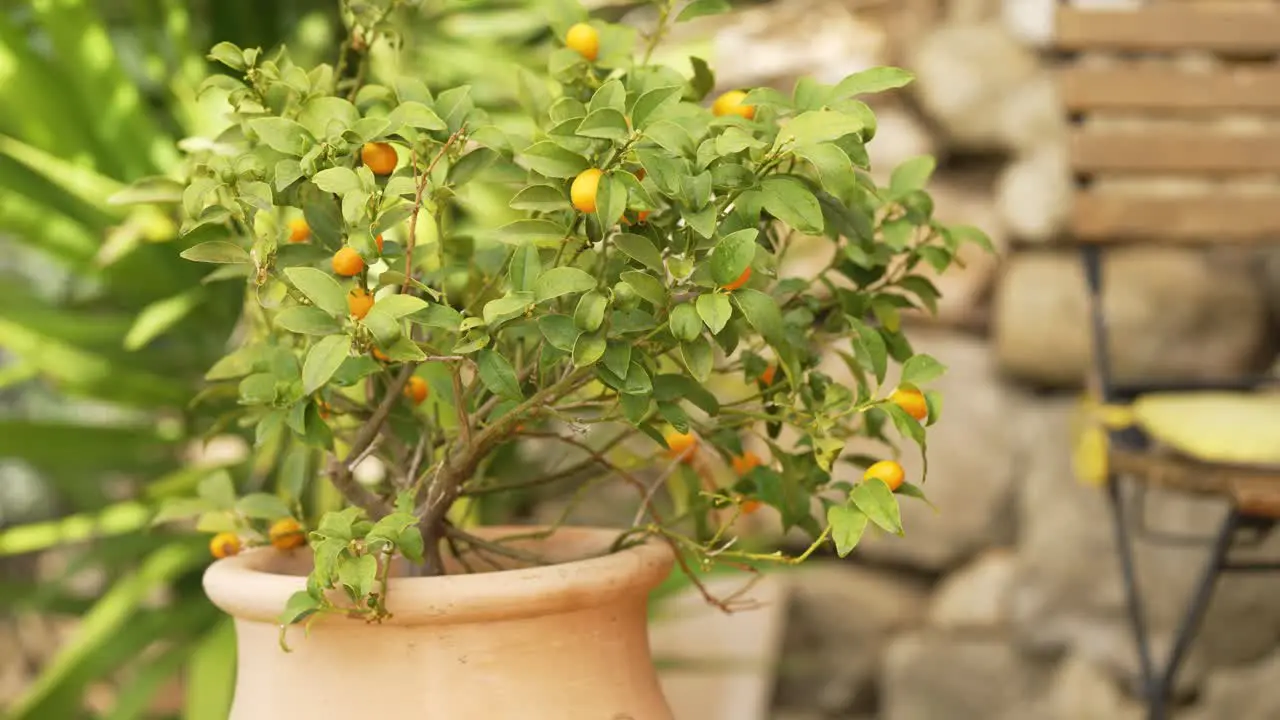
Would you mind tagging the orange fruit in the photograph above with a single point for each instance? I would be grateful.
(358, 302)
(742, 280)
(730, 103)
(323, 408)
(912, 401)
(416, 390)
(224, 544)
(286, 534)
(886, 471)
(299, 230)
(379, 157)
(681, 445)
(584, 39)
(745, 463)
(750, 506)
(640, 174)
(378, 241)
(379, 355)
(582, 193)
(766, 377)
(347, 262)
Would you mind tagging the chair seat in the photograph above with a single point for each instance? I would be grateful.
(1255, 490)
(1217, 428)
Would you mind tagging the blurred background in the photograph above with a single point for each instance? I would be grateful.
(1006, 604)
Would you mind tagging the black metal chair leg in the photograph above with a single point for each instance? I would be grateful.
(1190, 624)
(1124, 547)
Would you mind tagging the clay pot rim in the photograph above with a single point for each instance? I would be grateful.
(242, 587)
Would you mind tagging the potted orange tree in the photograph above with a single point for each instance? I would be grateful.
(637, 298)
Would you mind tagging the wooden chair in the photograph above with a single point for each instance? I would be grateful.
(1245, 40)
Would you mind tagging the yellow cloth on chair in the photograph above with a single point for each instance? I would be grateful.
(1235, 428)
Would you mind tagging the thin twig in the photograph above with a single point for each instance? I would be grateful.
(451, 531)
(417, 206)
(464, 422)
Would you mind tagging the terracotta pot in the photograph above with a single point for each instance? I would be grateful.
(566, 641)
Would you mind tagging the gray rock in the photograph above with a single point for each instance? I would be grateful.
(1068, 592)
(928, 676)
(841, 616)
(1245, 693)
(972, 463)
(1173, 314)
(977, 595)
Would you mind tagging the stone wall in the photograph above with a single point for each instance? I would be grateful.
(1006, 604)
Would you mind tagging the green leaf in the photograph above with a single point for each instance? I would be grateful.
(873, 80)
(216, 251)
(920, 369)
(674, 139)
(525, 268)
(543, 233)
(735, 140)
(438, 316)
(700, 8)
(323, 361)
(386, 330)
(651, 102)
(684, 322)
(878, 503)
(358, 574)
(282, 135)
(733, 255)
(161, 315)
(671, 387)
(877, 353)
(307, 320)
(715, 311)
(610, 95)
(817, 126)
(617, 357)
(320, 288)
(790, 201)
(847, 525)
(337, 180)
(326, 116)
(703, 81)
(762, 312)
(589, 315)
(415, 115)
(399, 305)
(560, 281)
(912, 174)
(698, 358)
(540, 198)
(551, 160)
(298, 607)
(218, 490)
(262, 506)
(605, 124)
(588, 349)
(611, 200)
(639, 248)
(497, 375)
(646, 286)
(559, 330)
(833, 165)
(228, 54)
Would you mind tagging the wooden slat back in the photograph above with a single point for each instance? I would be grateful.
(1123, 101)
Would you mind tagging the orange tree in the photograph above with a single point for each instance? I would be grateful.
(638, 279)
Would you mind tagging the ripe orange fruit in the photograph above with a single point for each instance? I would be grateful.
(224, 544)
(583, 190)
(886, 471)
(745, 463)
(378, 241)
(358, 302)
(681, 445)
(416, 390)
(347, 262)
(730, 103)
(584, 39)
(766, 377)
(912, 401)
(286, 534)
(742, 280)
(379, 355)
(750, 506)
(299, 230)
(323, 408)
(379, 157)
